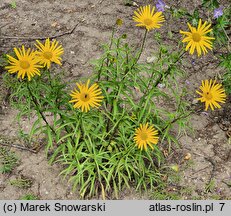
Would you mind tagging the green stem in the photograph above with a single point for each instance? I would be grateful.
(126, 72)
(37, 107)
(160, 79)
(178, 118)
(153, 72)
(228, 39)
(167, 72)
(57, 104)
(110, 46)
(117, 55)
(107, 62)
(137, 59)
(142, 46)
(63, 122)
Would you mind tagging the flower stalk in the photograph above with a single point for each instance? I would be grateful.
(36, 104)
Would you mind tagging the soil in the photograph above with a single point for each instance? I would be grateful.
(82, 26)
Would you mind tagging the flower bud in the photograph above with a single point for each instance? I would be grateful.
(119, 22)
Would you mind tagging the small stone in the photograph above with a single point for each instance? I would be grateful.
(188, 156)
(204, 113)
(151, 59)
(195, 101)
(160, 85)
(196, 67)
(135, 4)
(54, 24)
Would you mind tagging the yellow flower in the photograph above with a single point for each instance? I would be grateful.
(49, 52)
(145, 135)
(197, 38)
(211, 94)
(86, 96)
(26, 63)
(146, 17)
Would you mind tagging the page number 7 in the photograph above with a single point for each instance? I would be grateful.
(222, 205)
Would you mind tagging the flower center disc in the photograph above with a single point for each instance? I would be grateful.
(143, 136)
(196, 37)
(85, 97)
(48, 55)
(148, 22)
(24, 64)
(208, 96)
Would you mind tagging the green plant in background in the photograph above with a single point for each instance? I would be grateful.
(210, 186)
(221, 25)
(222, 17)
(164, 194)
(225, 63)
(109, 131)
(3, 60)
(21, 182)
(13, 4)
(8, 160)
(29, 197)
(128, 2)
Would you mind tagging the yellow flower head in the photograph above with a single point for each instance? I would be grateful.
(49, 52)
(197, 38)
(211, 94)
(86, 96)
(146, 17)
(145, 135)
(26, 63)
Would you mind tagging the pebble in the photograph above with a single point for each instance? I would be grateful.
(188, 156)
(151, 59)
(195, 101)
